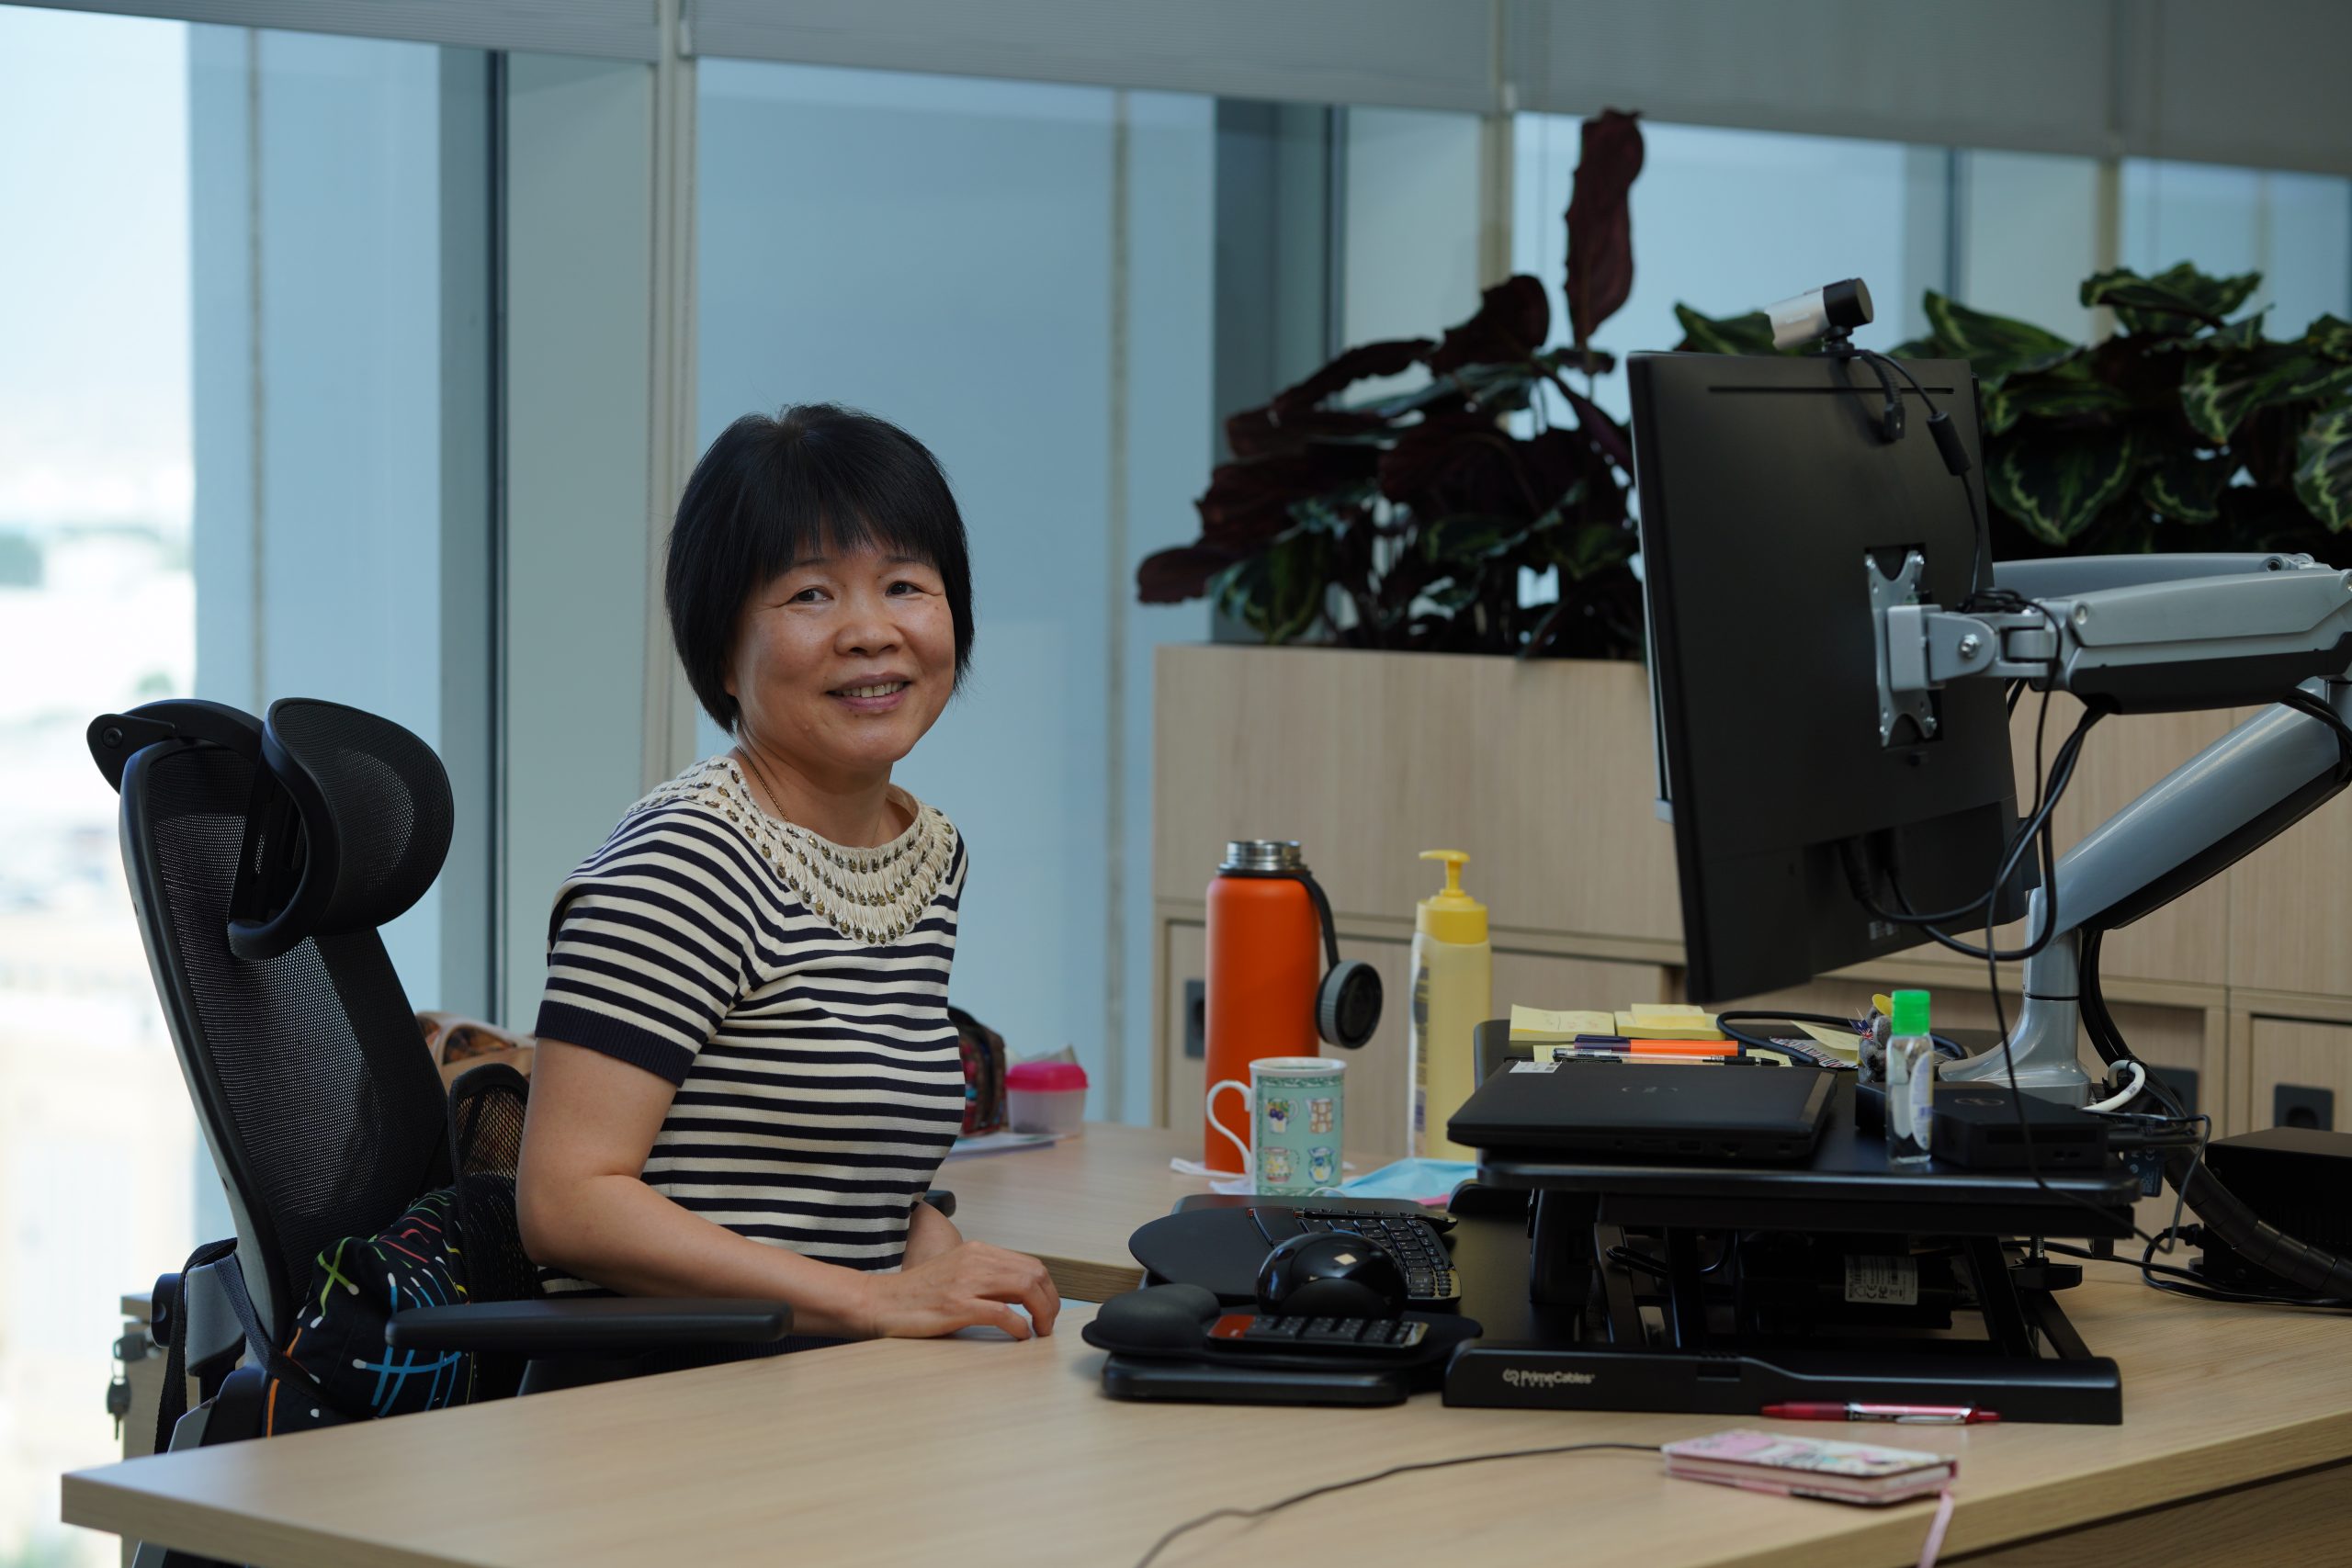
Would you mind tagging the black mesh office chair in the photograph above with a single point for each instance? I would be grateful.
(262, 859)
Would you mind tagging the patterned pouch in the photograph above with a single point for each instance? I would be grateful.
(984, 1064)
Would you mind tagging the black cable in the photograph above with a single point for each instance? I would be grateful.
(2061, 774)
(2047, 791)
(1260, 1512)
(1955, 455)
(2302, 702)
(1945, 1047)
(2259, 1242)
(2205, 1290)
(2197, 1284)
(2019, 838)
(1628, 1257)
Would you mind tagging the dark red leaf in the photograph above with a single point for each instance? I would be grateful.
(1608, 437)
(1463, 463)
(1554, 459)
(1393, 357)
(1171, 577)
(1249, 503)
(1513, 320)
(1269, 431)
(1600, 222)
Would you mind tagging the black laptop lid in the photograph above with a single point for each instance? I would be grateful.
(1676, 1111)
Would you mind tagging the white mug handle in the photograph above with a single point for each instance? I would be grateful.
(1249, 1165)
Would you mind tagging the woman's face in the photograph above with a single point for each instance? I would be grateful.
(843, 662)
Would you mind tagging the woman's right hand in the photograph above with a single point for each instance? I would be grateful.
(970, 1284)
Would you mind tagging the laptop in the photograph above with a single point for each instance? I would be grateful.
(1677, 1112)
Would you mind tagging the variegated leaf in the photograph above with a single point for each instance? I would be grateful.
(2219, 391)
(2055, 484)
(1995, 346)
(2324, 468)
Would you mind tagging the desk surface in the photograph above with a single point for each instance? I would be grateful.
(1016, 1455)
(1073, 1204)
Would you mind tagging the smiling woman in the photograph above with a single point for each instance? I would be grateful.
(747, 1075)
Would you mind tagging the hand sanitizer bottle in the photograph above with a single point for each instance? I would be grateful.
(1453, 992)
(1910, 1082)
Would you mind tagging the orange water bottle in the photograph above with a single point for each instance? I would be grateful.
(1267, 995)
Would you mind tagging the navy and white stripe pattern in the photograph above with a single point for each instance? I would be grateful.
(818, 1082)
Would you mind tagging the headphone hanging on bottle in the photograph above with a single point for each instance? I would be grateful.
(1347, 1002)
(1348, 998)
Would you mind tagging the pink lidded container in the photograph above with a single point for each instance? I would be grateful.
(1046, 1097)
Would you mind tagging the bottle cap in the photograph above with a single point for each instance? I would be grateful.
(1910, 1013)
(1045, 1077)
(1451, 915)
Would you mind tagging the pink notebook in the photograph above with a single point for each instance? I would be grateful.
(1811, 1466)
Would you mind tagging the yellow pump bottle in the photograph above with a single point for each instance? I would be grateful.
(1453, 992)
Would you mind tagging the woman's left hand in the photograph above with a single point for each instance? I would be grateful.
(929, 1234)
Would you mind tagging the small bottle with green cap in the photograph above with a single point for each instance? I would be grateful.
(1910, 1081)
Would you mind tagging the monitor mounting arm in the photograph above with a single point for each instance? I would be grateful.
(2147, 634)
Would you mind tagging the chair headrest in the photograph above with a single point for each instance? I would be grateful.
(348, 825)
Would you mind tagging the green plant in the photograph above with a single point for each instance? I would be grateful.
(1406, 522)
(2183, 431)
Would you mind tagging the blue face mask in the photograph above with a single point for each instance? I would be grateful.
(1418, 1180)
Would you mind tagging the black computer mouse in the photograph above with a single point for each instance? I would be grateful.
(1331, 1274)
(1170, 1318)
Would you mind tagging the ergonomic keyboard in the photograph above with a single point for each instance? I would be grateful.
(1356, 1334)
(1430, 1284)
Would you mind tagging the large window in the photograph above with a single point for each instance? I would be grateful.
(1021, 275)
(1728, 222)
(97, 606)
(2295, 230)
(243, 339)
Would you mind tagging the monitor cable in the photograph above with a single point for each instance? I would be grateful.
(1726, 1022)
(1949, 446)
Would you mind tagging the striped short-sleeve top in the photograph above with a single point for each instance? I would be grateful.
(794, 993)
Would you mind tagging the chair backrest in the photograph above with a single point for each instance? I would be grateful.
(261, 863)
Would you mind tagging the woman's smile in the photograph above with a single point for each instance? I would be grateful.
(872, 693)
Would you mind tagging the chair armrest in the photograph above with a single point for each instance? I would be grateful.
(941, 1200)
(597, 1325)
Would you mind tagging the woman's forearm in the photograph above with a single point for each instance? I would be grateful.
(622, 1235)
(929, 1234)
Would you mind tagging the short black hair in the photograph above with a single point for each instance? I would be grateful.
(769, 492)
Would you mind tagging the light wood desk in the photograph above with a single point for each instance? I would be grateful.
(1072, 1205)
(2236, 1447)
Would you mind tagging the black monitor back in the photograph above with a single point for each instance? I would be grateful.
(1765, 486)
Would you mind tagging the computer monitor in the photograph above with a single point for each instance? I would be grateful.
(1772, 509)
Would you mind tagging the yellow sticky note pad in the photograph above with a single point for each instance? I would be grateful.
(1666, 1020)
(1842, 1041)
(1537, 1024)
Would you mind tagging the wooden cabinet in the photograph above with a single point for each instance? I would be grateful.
(1538, 769)
(2290, 908)
(2120, 758)
(2299, 1074)
(1541, 772)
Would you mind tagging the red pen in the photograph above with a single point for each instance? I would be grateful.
(1909, 1414)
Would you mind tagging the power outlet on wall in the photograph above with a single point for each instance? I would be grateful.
(2182, 1081)
(2303, 1105)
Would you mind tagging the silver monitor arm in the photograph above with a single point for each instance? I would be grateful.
(2137, 634)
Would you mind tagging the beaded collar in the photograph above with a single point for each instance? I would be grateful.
(874, 896)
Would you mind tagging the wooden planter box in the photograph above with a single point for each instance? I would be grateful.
(1542, 772)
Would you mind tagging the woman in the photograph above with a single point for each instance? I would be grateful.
(746, 1076)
